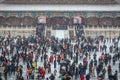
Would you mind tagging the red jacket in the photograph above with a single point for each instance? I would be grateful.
(51, 58)
(82, 77)
(43, 73)
(59, 57)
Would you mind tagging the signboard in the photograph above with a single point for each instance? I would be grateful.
(60, 27)
(42, 19)
(77, 20)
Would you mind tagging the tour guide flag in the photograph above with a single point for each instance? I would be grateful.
(42, 19)
(77, 19)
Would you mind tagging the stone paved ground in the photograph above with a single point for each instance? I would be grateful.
(115, 67)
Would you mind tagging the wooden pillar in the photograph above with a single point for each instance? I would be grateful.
(96, 33)
(84, 31)
(74, 31)
(51, 31)
(105, 33)
(68, 32)
(45, 31)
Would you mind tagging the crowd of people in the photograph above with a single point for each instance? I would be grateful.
(81, 58)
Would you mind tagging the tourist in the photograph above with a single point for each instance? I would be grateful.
(116, 75)
(52, 77)
(88, 76)
(82, 77)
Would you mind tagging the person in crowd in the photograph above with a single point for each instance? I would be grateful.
(88, 76)
(103, 72)
(52, 77)
(116, 75)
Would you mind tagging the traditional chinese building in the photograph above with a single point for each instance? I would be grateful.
(26, 17)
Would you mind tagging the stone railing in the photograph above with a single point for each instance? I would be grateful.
(108, 32)
(14, 31)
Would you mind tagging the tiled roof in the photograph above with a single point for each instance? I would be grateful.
(60, 1)
(8, 7)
